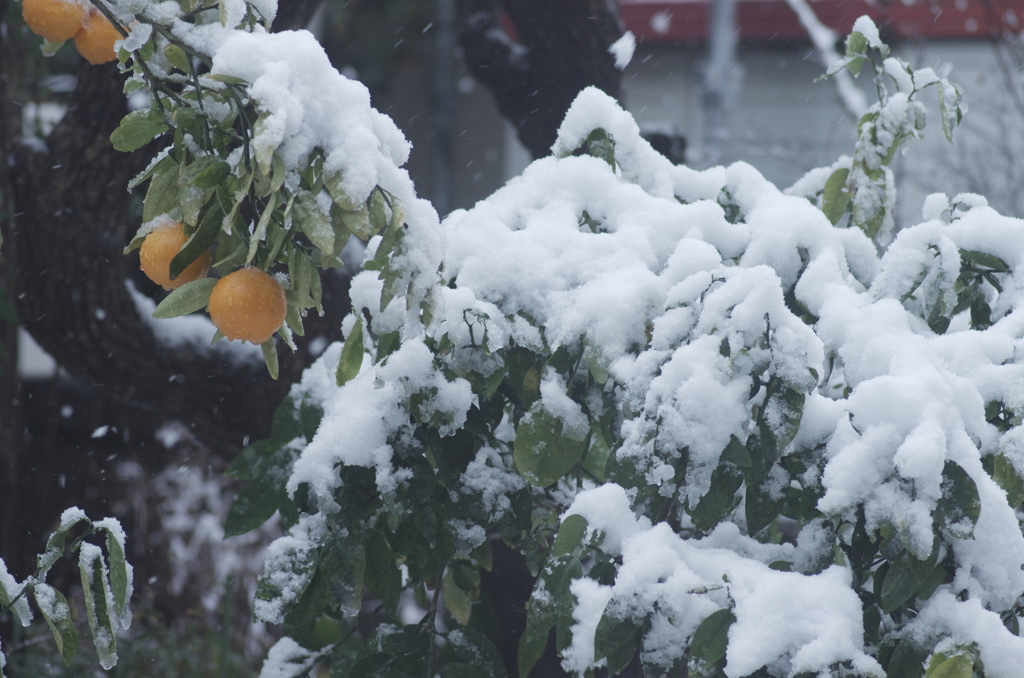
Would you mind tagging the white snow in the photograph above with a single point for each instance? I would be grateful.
(70, 516)
(622, 49)
(12, 590)
(285, 659)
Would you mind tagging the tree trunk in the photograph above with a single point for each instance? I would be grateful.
(562, 47)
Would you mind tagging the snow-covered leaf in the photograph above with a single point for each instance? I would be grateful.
(543, 452)
(57, 613)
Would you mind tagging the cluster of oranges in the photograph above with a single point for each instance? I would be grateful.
(60, 20)
(248, 304)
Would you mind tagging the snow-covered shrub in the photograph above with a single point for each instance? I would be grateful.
(635, 374)
(107, 586)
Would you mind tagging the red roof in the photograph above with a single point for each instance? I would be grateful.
(662, 20)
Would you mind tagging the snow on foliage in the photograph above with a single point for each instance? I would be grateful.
(11, 591)
(634, 373)
(720, 311)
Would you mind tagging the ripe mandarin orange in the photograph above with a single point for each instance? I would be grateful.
(95, 41)
(55, 20)
(248, 304)
(159, 248)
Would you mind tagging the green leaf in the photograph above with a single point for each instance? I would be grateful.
(137, 129)
(531, 647)
(600, 145)
(736, 453)
(358, 222)
(374, 665)
(710, 641)
(378, 218)
(300, 621)
(761, 507)
(959, 508)
(935, 579)
(786, 411)
(260, 234)
(466, 575)
(120, 582)
(188, 121)
(382, 576)
(316, 290)
(922, 568)
(176, 55)
(543, 453)
(162, 195)
(54, 550)
(96, 590)
(315, 223)
(458, 602)
(200, 165)
(254, 505)
(189, 298)
(461, 670)
(343, 565)
(979, 258)
(351, 355)
(907, 660)
(205, 235)
(286, 576)
(1005, 474)
(389, 243)
(226, 79)
(269, 348)
(550, 604)
(160, 165)
(944, 666)
(474, 648)
(597, 363)
(856, 44)
(570, 535)
(835, 198)
(950, 118)
(302, 281)
(899, 584)
(212, 175)
(57, 613)
(391, 278)
(617, 639)
(721, 498)
(388, 344)
(50, 47)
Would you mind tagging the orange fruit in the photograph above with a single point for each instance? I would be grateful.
(55, 20)
(248, 304)
(159, 248)
(95, 41)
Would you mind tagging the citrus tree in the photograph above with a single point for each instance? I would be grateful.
(636, 374)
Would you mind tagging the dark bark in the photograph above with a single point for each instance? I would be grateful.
(562, 48)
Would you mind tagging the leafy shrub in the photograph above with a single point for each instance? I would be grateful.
(633, 373)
